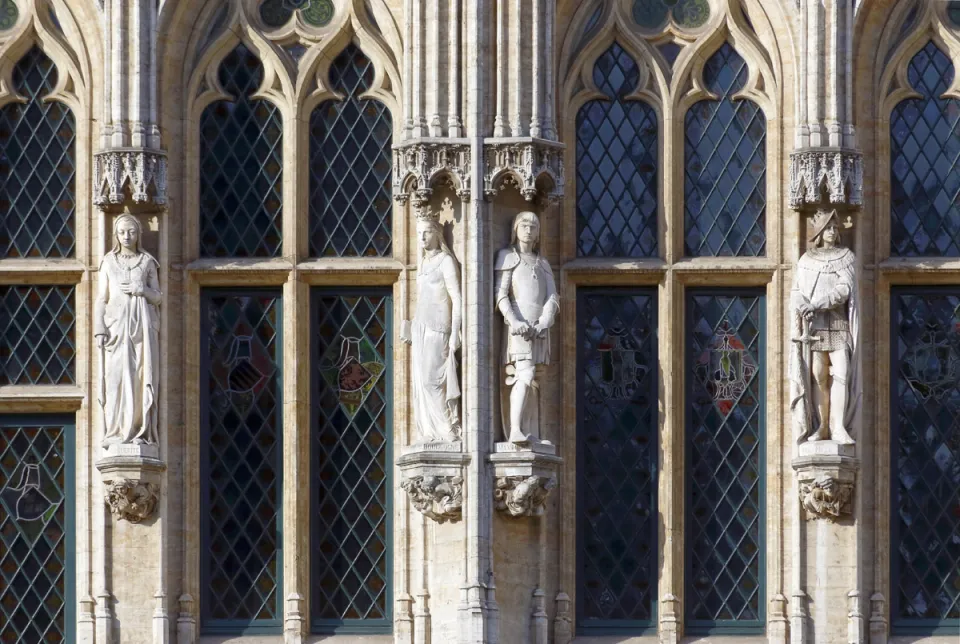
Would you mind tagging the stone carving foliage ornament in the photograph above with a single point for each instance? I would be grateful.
(131, 500)
(419, 167)
(524, 163)
(437, 497)
(839, 171)
(145, 171)
(826, 497)
(522, 496)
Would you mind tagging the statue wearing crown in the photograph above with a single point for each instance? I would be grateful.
(825, 388)
(434, 336)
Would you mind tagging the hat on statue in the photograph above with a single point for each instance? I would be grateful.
(821, 220)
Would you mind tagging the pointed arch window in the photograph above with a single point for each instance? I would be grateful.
(351, 166)
(725, 167)
(240, 166)
(37, 166)
(616, 165)
(924, 152)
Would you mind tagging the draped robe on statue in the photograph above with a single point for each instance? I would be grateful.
(131, 355)
(826, 278)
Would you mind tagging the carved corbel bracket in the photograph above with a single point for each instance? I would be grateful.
(131, 481)
(535, 166)
(826, 474)
(523, 477)
(432, 477)
(143, 170)
(838, 170)
(422, 165)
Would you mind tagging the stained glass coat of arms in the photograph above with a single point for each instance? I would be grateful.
(350, 533)
(724, 461)
(617, 459)
(241, 462)
(925, 419)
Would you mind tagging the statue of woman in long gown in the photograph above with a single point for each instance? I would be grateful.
(127, 328)
(435, 337)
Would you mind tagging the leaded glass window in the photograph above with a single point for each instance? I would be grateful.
(616, 165)
(725, 187)
(617, 459)
(724, 461)
(241, 162)
(37, 530)
(350, 531)
(37, 166)
(38, 333)
(924, 150)
(351, 166)
(925, 418)
(241, 462)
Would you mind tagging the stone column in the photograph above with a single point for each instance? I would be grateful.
(131, 529)
(827, 597)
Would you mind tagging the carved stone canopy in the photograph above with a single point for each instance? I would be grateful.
(534, 165)
(144, 171)
(837, 170)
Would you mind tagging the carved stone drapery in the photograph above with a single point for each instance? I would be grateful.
(421, 166)
(522, 496)
(524, 162)
(826, 497)
(437, 497)
(145, 171)
(131, 499)
(840, 171)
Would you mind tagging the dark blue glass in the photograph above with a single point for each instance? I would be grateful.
(37, 529)
(724, 461)
(37, 166)
(241, 462)
(924, 149)
(617, 459)
(925, 419)
(351, 168)
(725, 187)
(241, 162)
(38, 333)
(616, 165)
(352, 403)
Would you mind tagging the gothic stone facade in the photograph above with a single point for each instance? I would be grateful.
(278, 154)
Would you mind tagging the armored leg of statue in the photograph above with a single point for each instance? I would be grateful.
(821, 394)
(838, 397)
(525, 371)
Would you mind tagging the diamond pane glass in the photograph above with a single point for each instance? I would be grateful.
(241, 161)
(652, 14)
(36, 530)
(37, 166)
(924, 151)
(351, 167)
(38, 330)
(616, 165)
(350, 535)
(725, 428)
(617, 450)
(242, 461)
(926, 457)
(725, 186)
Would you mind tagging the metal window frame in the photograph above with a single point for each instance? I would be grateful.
(898, 625)
(726, 627)
(597, 627)
(328, 626)
(209, 626)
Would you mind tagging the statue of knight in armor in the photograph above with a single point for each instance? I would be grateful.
(825, 362)
(527, 299)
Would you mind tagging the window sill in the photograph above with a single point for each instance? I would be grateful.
(699, 639)
(310, 639)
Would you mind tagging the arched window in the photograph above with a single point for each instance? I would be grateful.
(725, 167)
(351, 166)
(924, 151)
(240, 166)
(616, 165)
(37, 166)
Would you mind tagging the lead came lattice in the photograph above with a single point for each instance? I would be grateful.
(38, 335)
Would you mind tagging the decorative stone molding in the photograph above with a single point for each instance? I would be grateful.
(145, 171)
(437, 497)
(186, 620)
(878, 619)
(524, 162)
(839, 170)
(131, 500)
(826, 474)
(523, 477)
(563, 622)
(669, 619)
(293, 620)
(422, 165)
(522, 496)
(432, 477)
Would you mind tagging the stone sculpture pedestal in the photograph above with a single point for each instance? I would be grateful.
(826, 473)
(131, 480)
(432, 476)
(523, 477)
